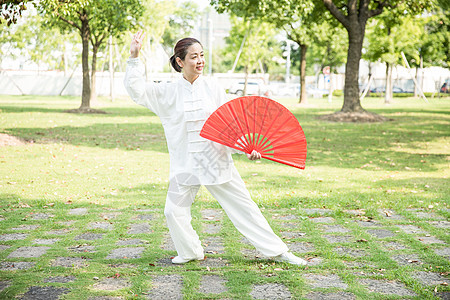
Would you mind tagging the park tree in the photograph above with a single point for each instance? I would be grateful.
(11, 10)
(328, 48)
(94, 21)
(354, 15)
(252, 44)
(387, 38)
(298, 19)
(181, 23)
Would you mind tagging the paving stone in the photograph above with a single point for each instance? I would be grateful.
(357, 264)
(112, 284)
(4, 247)
(59, 231)
(13, 236)
(287, 217)
(122, 266)
(289, 225)
(139, 228)
(89, 236)
(213, 245)
(443, 295)
(324, 281)
(212, 214)
(393, 246)
(45, 241)
(335, 228)
(44, 292)
(427, 215)
(41, 216)
(60, 279)
(78, 211)
(28, 252)
(130, 242)
(430, 240)
(244, 240)
(411, 229)
(441, 224)
(168, 243)
(322, 220)
(430, 278)
(167, 262)
(211, 228)
(386, 287)
(445, 252)
(301, 247)
(82, 248)
(320, 211)
(212, 284)
(315, 261)
(270, 291)
(67, 223)
(100, 225)
(69, 262)
(390, 214)
(4, 285)
(252, 254)
(126, 253)
(146, 217)
(166, 287)
(381, 233)
(292, 234)
(407, 259)
(26, 227)
(355, 212)
(330, 296)
(16, 265)
(367, 223)
(105, 298)
(214, 262)
(109, 216)
(339, 238)
(350, 252)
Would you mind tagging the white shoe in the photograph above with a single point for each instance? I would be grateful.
(290, 258)
(180, 260)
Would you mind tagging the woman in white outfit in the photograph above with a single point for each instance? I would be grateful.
(183, 107)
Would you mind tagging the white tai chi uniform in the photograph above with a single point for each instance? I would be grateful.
(183, 109)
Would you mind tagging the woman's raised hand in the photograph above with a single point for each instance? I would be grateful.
(136, 43)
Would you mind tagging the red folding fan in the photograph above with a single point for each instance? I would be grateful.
(258, 123)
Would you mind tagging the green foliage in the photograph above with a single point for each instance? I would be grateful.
(182, 21)
(11, 10)
(260, 45)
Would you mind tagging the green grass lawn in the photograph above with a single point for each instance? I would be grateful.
(119, 161)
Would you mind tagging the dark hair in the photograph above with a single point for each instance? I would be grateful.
(180, 51)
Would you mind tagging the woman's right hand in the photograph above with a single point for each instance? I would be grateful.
(136, 44)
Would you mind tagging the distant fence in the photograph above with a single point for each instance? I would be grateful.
(57, 83)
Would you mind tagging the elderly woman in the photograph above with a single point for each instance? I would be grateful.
(183, 107)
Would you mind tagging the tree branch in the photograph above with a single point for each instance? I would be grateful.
(336, 13)
(71, 23)
(379, 9)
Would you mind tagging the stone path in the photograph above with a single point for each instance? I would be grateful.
(350, 256)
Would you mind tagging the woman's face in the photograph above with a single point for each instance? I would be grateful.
(193, 63)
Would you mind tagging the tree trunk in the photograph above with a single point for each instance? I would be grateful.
(351, 88)
(303, 97)
(93, 73)
(86, 92)
(388, 90)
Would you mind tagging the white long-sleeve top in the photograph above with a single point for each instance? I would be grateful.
(183, 109)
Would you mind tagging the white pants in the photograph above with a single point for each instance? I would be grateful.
(235, 199)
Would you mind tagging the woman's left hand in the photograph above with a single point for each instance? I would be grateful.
(254, 155)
